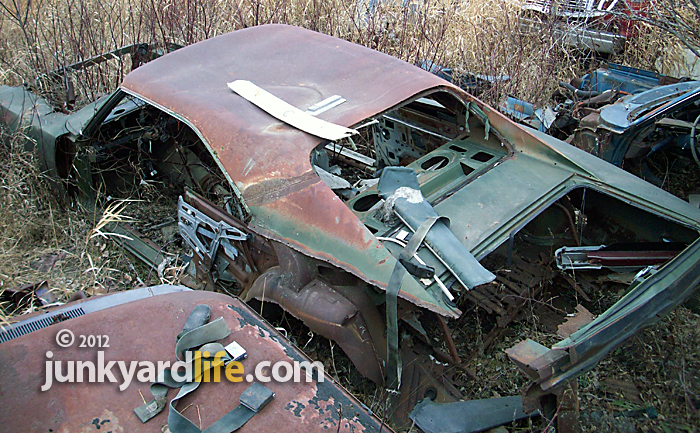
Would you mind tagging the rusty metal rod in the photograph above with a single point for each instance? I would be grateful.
(572, 224)
(449, 341)
(447, 359)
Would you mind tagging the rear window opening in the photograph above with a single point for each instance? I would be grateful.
(588, 218)
(152, 148)
(444, 141)
(607, 242)
(140, 151)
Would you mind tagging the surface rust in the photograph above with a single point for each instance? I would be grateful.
(145, 330)
(269, 161)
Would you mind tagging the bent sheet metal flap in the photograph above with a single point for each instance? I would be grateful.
(288, 113)
(413, 210)
(468, 416)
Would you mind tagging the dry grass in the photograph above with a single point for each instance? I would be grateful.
(32, 225)
(652, 50)
(41, 240)
(482, 37)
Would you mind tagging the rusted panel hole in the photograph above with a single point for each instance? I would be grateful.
(365, 203)
(482, 156)
(436, 162)
(466, 169)
(326, 271)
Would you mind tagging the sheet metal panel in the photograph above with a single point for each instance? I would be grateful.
(145, 330)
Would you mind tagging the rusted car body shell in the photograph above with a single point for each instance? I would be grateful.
(269, 164)
(269, 161)
(147, 332)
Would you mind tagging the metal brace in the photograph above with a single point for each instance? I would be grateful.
(195, 225)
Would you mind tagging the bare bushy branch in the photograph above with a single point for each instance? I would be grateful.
(482, 37)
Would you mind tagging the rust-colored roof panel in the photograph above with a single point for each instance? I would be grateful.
(268, 160)
(299, 66)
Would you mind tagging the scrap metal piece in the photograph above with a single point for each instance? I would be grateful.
(472, 83)
(525, 112)
(413, 209)
(195, 225)
(139, 53)
(399, 240)
(236, 351)
(28, 294)
(334, 182)
(513, 289)
(422, 378)
(257, 252)
(288, 113)
(636, 109)
(344, 314)
(575, 321)
(256, 397)
(419, 270)
(633, 113)
(569, 9)
(579, 36)
(134, 242)
(417, 128)
(616, 257)
(325, 105)
(350, 157)
(468, 416)
(622, 78)
(139, 50)
(535, 360)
